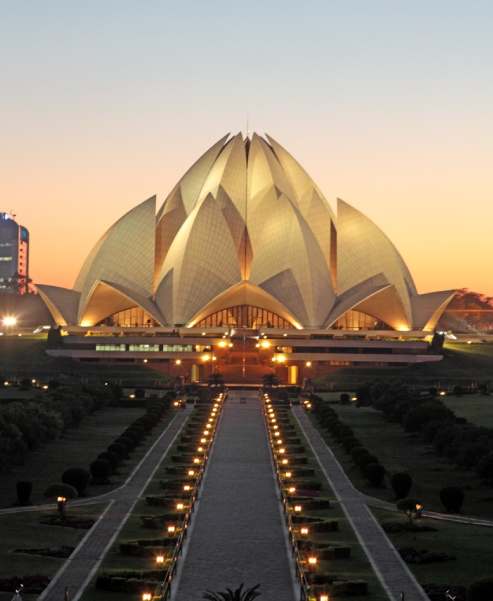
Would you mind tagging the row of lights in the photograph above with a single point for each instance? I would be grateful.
(193, 475)
(285, 476)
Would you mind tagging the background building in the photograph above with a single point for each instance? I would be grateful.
(14, 256)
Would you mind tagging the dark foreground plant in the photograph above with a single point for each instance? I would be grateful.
(238, 595)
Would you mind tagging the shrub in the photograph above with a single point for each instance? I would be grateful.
(61, 490)
(452, 498)
(112, 459)
(76, 477)
(100, 470)
(344, 398)
(482, 590)
(485, 467)
(401, 483)
(374, 473)
(118, 449)
(24, 490)
(424, 413)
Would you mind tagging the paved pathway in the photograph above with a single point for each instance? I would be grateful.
(393, 573)
(78, 570)
(238, 533)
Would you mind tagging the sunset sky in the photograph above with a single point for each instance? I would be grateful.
(388, 105)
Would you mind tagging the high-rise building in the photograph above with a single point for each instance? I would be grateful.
(14, 255)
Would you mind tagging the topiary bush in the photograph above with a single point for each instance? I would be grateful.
(452, 498)
(24, 490)
(401, 483)
(374, 473)
(482, 590)
(100, 471)
(77, 477)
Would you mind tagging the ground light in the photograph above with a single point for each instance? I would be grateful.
(146, 596)
(160, 559)
(171, 529)
(9, 321)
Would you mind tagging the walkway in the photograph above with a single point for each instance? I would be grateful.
(79, 569)
(387, 563)
(237, 532)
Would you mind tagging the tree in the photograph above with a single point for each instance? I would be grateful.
(401, 483)
(374, 473)
(411, 507)
(237, 595)
(76, 477)
(100, 471)
(482, 590)
(452, 498)
(24, 490)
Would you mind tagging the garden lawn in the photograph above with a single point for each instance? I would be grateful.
(461, 363)
(400, 451)
(23, 531)
(475, 408)
(471, 545)
(77, 447)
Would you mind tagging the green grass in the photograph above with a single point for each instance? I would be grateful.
(475, 408)
(461, 363)
(471, 545)
(26, 357)
(358, 567)
(78, 447)
(399, 451)
(24, 531)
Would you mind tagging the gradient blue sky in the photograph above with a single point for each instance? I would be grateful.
(386, 104)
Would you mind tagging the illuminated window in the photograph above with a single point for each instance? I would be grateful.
(356, 320)
(244, 316)
(143, 348)
(177, 348)
(131, 318)
(110, 347)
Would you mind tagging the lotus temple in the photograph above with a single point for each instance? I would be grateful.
(245, 269)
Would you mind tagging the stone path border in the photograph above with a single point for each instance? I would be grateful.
(77, 572)
(393, 573)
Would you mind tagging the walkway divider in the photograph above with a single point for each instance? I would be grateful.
(196, 471)
(282, 473)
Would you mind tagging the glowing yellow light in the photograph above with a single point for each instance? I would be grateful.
(179, 506)
(281, 358)
(9, 321)
(61, 499)
(187, 487)
(178, 362)
(196, 460)
(279, 441)
(308, 364)
(222, 343)
(171, 529)
(45, 387)
(265, 344)
(145, 361)
(312, 560)
(200, 449)
(206, 357)
(176, 404)
(277, 434)
(284, 461)
(203, 440)
(304, 530)
(297, 508)
(442, 393)
(288, 474)
(191, 472)
(146, 596)
(160, 559)
(292, 490)
(282, 450)
(324, 597)
(131, 396)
